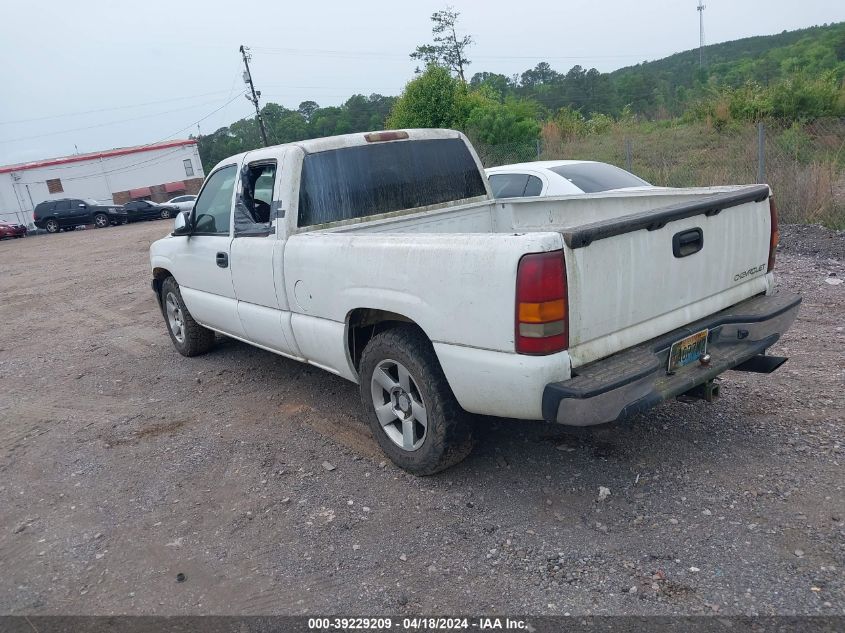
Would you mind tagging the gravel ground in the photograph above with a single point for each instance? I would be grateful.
(123, 465)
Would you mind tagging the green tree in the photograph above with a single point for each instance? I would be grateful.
(448, 50)
(307, 109)
(431, 100)
(494, 123)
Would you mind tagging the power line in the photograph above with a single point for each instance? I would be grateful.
(148, 145)
(123, 107)
(108, 123)
(316, 52)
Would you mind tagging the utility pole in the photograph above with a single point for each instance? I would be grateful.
(701, 8)
(255, 94)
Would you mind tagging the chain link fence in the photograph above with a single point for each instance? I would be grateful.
(803, 162)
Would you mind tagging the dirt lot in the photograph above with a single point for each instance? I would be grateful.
(123, 464)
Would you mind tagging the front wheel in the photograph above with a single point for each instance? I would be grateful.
(165, 213)
(411, 408)
(101, 220)
(189, 337)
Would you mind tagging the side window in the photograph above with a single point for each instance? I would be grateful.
(508, 185)
(253, 209)
(214, 205)
(534, 186)
(63, 205)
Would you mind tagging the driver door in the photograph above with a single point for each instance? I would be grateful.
(202, 267)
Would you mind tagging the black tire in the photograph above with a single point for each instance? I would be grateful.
(196, 339)
(101, 220)
(165, 213)
(448, 436)
(52, 226)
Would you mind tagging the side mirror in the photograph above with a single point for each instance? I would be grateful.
(180, 224)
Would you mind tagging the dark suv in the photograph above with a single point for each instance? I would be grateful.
(67, 213)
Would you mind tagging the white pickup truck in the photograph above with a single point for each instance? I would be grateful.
(383, 258)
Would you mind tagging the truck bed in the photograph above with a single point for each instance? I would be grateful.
(625, 283)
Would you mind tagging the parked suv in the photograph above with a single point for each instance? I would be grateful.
(67, 213)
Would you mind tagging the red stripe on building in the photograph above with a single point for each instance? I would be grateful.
(172, 187)
(141, 192)
(76, 158)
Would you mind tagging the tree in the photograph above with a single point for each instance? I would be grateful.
(541, 74)
(496, 83)
(509, 122)
(307, 109)
(430, 100)
(447, 50)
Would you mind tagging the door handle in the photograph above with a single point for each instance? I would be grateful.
(687, 242)
(223, 260)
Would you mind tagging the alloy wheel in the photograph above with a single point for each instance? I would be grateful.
(399, 405)
(175, 318)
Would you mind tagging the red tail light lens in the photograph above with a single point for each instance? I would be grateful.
(774, 239)
(380, 137)
(542, 313)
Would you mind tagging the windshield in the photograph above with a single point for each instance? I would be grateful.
(91, 202)
(594, 177)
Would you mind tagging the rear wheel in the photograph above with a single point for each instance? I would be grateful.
(411, 408)
(189, 337)
(52, 226)
(101, 220)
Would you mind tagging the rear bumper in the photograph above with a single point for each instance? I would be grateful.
(636, 379)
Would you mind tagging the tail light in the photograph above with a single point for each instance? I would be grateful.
(380, 137)
(774, 238)
(542, 314)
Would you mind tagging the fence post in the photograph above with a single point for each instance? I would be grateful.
(761, 153)
(538, 149)
(629, 159)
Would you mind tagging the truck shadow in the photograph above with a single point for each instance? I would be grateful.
(674, 435)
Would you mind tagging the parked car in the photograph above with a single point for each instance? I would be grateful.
(11, 229)
(183, 203)
(384, 259)
(560, 178)
(138, 210)
(68, 213)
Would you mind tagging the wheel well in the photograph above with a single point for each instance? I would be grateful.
(364, 323)
(159, 275)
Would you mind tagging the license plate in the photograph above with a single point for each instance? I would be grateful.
(687, 350)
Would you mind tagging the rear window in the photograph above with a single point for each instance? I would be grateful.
(515, 185)
(594, 177)
(356, 182)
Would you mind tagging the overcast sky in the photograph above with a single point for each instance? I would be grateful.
(98, 75)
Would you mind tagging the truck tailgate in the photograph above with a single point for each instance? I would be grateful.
(634, 277)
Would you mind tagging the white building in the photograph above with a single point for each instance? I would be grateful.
(155, 172)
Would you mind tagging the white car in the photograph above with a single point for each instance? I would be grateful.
(383, 258)
(560, 178)
(183, 203)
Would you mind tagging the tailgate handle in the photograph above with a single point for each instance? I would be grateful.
(687, 242)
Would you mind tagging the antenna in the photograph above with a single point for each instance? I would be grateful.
(701, 7)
